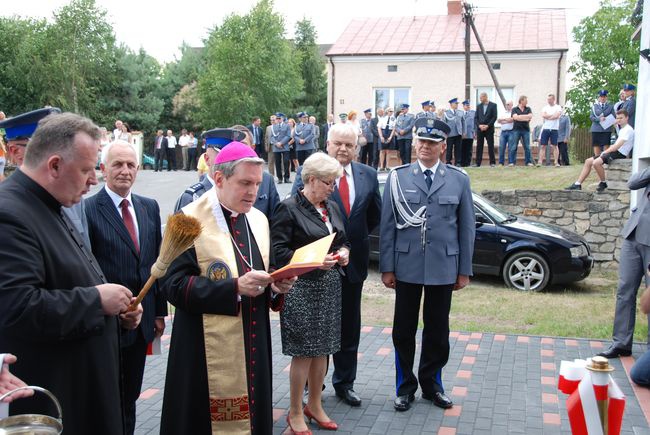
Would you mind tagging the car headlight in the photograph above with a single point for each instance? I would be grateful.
(579, 251)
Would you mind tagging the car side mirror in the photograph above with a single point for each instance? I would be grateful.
(480, 220)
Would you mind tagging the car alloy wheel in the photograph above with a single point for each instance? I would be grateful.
(526, 271)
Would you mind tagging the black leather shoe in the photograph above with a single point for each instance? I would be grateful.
(439, 399)
(349, 396)
(403, 403)
(615, 352)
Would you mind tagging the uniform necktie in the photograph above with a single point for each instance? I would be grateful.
(344, 191)
(129, 224)
(427, 178)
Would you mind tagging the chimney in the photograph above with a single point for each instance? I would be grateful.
(454, 7)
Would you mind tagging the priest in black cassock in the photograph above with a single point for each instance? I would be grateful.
(219, 369)
(57, 313)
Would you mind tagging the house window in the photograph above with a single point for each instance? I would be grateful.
(392, 68)
(392, 97)
(493, 95)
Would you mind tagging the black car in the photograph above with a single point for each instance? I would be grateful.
(528, 255)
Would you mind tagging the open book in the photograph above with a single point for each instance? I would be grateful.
(305, 259)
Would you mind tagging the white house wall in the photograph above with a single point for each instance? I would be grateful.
(441, 77)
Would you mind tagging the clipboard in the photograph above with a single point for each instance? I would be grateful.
(305, 259)
(607, 123)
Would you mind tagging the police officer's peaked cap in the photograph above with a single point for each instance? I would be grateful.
(220, 137)
(426, 103)
(603, 92)
(431, 129)
(23, 126)
(629, 87)
(453, 100)
(367, 111)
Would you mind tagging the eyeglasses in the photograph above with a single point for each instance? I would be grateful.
(330, 184)
(347, 145)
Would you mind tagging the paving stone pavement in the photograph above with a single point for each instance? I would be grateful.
(499, 383)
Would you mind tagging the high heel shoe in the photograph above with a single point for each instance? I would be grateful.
(303, 432)
(327, 425)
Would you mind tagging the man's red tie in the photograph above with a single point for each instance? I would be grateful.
(129, 224)
(344, 191)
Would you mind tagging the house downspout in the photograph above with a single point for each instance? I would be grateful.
(559, 72)
(333, 83)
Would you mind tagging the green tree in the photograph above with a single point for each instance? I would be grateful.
(250, 68)
(607, 58)
(139, 102)
(313, 99)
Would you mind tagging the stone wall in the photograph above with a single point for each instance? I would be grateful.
(598, 217)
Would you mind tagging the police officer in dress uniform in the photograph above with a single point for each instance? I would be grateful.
(280, 137)
(215, 139)
(303, 137)
(600, 137)
(426, 241)
(455, 120)
(469, 134)
(426, 111)
(404, 130)
(630, 102)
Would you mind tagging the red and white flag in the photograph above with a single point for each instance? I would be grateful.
(582, 404)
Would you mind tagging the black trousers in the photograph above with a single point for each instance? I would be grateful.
(282, 159)
(480, 138)
(191, 158)
(345, 360)
(453, 150)
(302, 156)
(466, 152)
(404, 147)
(375, 161)
(171, 159)
(133, 360)
(564, 153)
(159, 156)
(368, 154)
(435, 336)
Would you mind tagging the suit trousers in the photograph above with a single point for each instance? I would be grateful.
(435, 336)
(345, 360)
(280, 160)
(368, 154)
(632, 267)
(171, 159)
(466, 152)
(404, 147)
(302, 156)
(271, 162)
(133, 360)
(186, 159)
(375, 157)
(480, 138)
(454, 153)
(564, 153)
(159, 156)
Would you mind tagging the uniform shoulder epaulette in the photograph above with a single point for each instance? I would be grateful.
(194, 188)
(405, 165)
(461, 170)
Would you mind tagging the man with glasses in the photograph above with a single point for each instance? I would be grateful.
(426, 242)
(357, 195)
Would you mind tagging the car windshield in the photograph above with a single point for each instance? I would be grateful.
(492, 210)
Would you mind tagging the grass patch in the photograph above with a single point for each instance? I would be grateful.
(584, 309)
(521, 177)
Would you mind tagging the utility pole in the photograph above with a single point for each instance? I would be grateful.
(469, 21)
(467, 16)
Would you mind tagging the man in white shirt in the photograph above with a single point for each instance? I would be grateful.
(118, 129)
(622, 149)
(183, 142)
(171, 151)
(551, 114)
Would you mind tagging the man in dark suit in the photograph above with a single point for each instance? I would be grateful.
(125, 238)
(324, 130)
(486, 116)
(357, 195)
(258, 137)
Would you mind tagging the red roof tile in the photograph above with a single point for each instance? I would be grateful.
(501, 31)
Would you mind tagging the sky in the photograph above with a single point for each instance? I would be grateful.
(161, 26)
